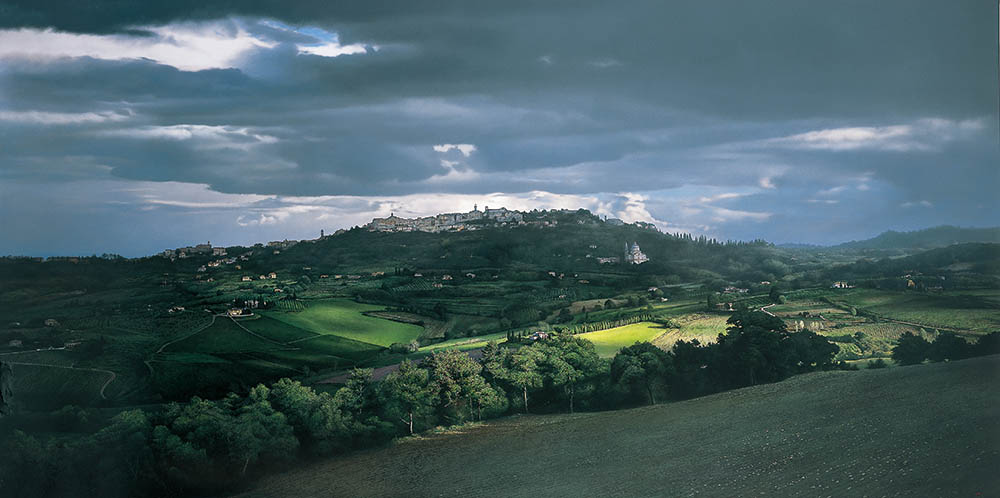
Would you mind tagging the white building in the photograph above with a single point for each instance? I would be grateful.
(634, 255)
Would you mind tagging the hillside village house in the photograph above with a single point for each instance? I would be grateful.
(272, 275)
(247, 278)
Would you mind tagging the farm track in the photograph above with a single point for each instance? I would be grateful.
(303, 339)
(34, 351)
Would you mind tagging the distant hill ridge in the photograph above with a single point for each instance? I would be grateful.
(928, 238)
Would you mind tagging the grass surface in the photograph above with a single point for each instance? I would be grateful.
(224, 336)
(339, 346)
(703, 327)
(927, 430)
(977, 313)
(47, 388)
(465, 343)
(608, 342)
(276, 330)
(343, 318)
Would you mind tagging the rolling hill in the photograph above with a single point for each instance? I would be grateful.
(928, 238)
(927, 430)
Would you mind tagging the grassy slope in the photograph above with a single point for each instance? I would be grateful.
(609, 341)
(912, 431)
(465, 343)
(703, 327)
(224, 336)
(975, 312)
(343, 318)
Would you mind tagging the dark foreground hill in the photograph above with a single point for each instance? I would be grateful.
(929, 430)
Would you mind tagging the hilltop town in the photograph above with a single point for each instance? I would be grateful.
(476, 219)
(448, 221)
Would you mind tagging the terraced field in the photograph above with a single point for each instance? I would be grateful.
(927, 430)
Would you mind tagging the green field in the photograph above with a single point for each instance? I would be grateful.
(465, 343)
(343, 318)
(926, 430)
(703, 327)
(275, 330)
(973, 312)
(48, 388)
(608, 342)
(336, 345)
(224, 336)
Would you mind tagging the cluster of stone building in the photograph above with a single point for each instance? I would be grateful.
(447, 221)
(200, 249)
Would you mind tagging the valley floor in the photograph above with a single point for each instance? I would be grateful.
(929, 430)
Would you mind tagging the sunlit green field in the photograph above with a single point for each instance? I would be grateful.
(608, 342)
(343, 318)
(703, 327)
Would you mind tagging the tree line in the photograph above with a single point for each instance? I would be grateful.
(207, 446)
(912, 349)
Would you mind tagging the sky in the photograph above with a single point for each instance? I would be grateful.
(132, 127)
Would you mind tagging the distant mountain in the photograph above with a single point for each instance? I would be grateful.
(928, 238)
(797, 245)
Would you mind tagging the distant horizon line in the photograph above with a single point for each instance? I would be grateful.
(45, 256)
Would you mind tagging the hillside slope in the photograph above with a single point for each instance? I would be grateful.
(911, 431)
(928, 238)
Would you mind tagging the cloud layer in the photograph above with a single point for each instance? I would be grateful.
(795, 123)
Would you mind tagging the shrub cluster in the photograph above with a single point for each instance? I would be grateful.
(913, 349)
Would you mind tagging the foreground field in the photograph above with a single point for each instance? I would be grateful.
(927, 430)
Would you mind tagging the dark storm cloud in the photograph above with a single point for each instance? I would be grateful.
(803, 103)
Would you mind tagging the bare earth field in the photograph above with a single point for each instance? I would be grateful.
(929, 430)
